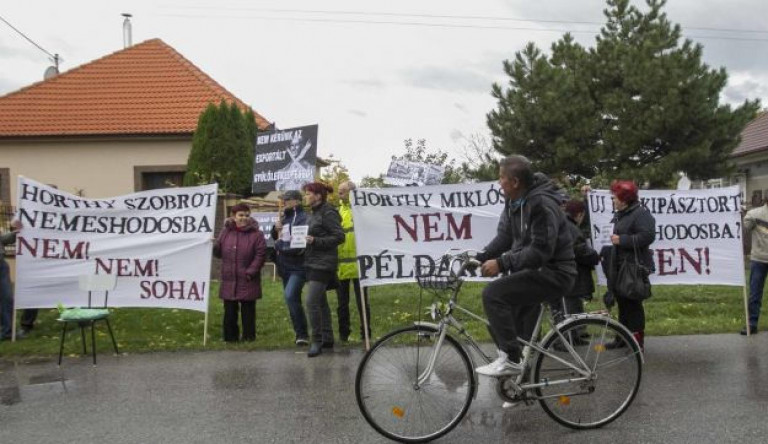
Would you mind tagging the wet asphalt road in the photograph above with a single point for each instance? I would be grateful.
(696, 389)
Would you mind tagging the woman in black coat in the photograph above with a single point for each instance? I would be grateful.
(634, 230)
(321, 260)
(586, 259)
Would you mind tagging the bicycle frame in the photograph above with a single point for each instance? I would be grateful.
(448, 321)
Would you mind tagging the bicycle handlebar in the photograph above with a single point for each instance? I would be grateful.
(465, 258)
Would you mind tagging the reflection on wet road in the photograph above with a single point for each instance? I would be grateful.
(695, 389)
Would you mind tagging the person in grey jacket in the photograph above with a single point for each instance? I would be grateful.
(534, 249)
(6, 288)
(321, 260)
(756, 222)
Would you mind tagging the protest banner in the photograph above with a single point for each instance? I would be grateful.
(158, 243)
(698, 234)
(266, 221)
(405, 173)
(284, 159)
(397, 229)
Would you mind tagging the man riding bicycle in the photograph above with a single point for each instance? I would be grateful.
(534, 251)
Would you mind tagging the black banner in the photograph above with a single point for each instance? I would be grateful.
(266, 221)
(285, 159)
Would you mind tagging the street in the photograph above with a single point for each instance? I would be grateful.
(695, 389)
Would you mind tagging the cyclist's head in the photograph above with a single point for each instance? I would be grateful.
(515, 175)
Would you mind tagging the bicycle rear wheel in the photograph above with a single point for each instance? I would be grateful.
(615, 369)
(393, 401)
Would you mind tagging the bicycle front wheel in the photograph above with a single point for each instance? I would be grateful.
(399, 399)
(614, 364)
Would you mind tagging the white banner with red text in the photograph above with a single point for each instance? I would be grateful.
(398, 229)
(698, 234)
(157, 242)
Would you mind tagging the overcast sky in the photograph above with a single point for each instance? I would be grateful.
(371, 74)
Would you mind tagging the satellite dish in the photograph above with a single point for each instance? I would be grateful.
(50, 73)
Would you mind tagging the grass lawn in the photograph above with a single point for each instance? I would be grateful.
(673, 310)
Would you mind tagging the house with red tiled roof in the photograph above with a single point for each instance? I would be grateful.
(751, 160)
(119, 124)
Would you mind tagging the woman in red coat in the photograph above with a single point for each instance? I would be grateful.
(242, 250)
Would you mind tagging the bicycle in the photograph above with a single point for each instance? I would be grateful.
(416, 383)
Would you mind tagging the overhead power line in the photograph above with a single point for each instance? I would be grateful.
(55, 58)
(446, 16)
(434, 25)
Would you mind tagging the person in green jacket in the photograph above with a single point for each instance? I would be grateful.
(348, 269)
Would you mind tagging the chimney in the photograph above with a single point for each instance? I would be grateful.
(127, 38)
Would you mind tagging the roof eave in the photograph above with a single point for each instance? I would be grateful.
(94, 136)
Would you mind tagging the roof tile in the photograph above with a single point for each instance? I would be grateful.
(148, 88)
(754, 137)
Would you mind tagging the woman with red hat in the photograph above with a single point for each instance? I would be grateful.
(634, 230)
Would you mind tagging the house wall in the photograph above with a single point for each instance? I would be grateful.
(97, 167)
(755, 168)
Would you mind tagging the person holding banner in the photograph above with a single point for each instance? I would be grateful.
(290, 262)
(534, 249)
(348, 273)
(756, 222)
(6, 287)
(321, 260)
(242, 250)
(634, 230)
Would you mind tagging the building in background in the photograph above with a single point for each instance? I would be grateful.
(751, 159)
(119, 124)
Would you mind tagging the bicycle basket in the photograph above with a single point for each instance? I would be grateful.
(433, 277)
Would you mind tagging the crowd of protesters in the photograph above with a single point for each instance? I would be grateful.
(326, 260)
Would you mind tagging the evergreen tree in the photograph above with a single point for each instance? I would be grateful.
(223, 149)
(637, 105)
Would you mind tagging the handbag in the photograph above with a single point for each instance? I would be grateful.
(632, 280)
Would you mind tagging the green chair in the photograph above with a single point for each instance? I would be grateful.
(84, 317)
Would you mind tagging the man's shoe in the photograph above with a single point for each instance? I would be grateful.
(302, 342)
(22, 333)
(752, 330)
(500, 367)
(509, 405)
(314, 350)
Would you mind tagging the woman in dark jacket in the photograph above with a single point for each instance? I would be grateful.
(242, 250)
(634, 230)
(586, 259)
(290, 262)
(321, 261)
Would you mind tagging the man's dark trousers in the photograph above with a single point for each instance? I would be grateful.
(510, 300)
